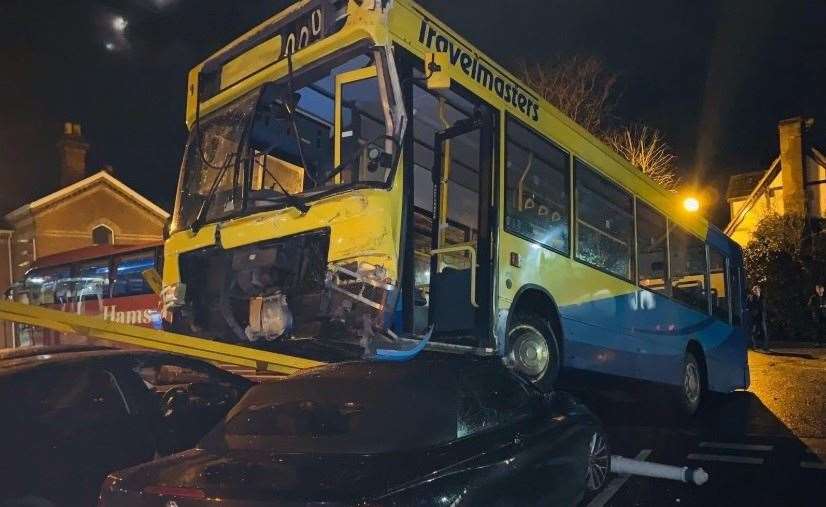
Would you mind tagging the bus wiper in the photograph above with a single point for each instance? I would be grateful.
(297, 202)
(235, 159)
(200, 217)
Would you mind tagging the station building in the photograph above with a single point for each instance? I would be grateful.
(89, 209)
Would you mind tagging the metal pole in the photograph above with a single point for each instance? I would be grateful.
(620, 465)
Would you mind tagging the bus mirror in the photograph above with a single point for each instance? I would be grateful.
(435, 71)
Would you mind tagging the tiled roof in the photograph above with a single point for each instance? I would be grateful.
(741, 185)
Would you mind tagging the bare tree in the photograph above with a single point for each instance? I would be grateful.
(585, 90)
(645, 148)
(580, 87)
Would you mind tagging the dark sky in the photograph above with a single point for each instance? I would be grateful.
(714, 76)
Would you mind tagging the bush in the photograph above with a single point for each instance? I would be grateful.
(783, 259)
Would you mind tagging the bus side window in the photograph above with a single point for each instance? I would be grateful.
(688, 268)
(128, 279)
(48, 285)
(652, 249)
(718, 281)
(537, 188)
(604, 223)
(92, 280)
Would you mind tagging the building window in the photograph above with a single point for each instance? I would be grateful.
(102, 235)
(537, 188)
(688, 268)
(604, 223)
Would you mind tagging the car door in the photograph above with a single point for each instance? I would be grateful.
(503, 423)
(25, 441)
(77, 431)
(103, 422)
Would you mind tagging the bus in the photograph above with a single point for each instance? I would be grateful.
(358, 173)
(101, 280)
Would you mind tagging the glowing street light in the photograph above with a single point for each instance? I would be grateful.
(691, 204)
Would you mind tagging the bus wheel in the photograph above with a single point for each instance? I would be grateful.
(692, 388)
(533, 351)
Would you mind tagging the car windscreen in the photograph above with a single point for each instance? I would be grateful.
(362, 414)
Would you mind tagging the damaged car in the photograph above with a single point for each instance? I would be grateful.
(72, 414)
(448, 431)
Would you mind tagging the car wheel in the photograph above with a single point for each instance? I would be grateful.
(692, 387)
(599, 464)
(533, 351)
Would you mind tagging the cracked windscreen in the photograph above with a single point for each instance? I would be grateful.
(277, 146)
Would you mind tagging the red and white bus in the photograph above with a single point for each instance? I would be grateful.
(102, 280)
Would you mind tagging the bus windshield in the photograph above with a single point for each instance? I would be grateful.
(276, 146)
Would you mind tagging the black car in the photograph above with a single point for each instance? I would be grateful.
(69, 416)
(426, 432)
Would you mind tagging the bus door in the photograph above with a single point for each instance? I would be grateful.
(459, 133)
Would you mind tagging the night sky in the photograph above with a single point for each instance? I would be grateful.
(714, 76)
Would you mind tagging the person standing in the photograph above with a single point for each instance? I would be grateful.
(817, 306)
(756, 309)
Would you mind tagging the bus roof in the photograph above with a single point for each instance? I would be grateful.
(89, 253)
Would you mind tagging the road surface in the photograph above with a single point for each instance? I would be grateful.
(765, 446)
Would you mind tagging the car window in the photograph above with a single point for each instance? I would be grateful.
(160, 375)
(491, 397)
(342, 415)
(75, 394)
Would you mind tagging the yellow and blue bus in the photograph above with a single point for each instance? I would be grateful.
(359, 175)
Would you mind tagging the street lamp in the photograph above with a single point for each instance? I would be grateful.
(691, 204)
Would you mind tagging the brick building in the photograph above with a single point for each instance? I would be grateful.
(89, 209)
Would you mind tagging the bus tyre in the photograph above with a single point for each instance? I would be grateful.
(533, 350)
(692, 387)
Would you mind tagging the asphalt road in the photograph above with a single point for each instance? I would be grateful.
(765, 446)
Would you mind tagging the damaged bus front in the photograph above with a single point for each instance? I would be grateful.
(288, 214)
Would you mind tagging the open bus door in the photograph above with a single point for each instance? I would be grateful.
(460, 235)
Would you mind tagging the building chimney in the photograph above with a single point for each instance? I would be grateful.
(72, 150)
(792, 164)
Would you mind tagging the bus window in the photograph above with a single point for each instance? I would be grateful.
(605, 223)
(128, 279)
(363, 122)
(537, 188)
(735, 295)
(652, 248)
(44, 285)
(688, 268)
(718, 283)
(92, 280)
